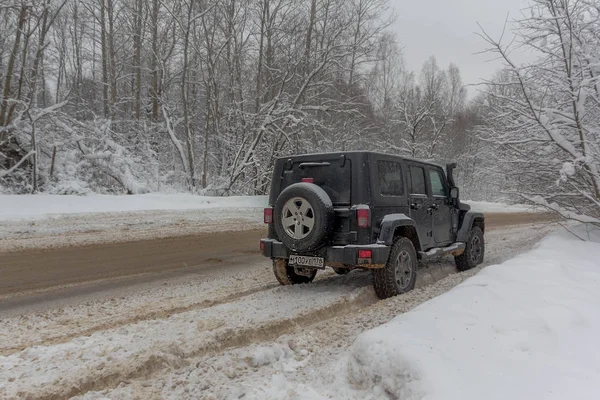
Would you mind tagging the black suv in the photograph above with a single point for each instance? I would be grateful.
(366, 210)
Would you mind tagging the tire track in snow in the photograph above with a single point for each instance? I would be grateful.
(172, 355)
(110, 372)
(133, 364)
(426, 276)
(156, 314)
(229, 374)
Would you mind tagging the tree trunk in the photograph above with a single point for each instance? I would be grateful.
(34, 169)
(206, 136)
(355, 44)
(10, 71)
(32, 97)
(52, 162)
(112, 57)
(104, 49)
(313, 16)
(154, 60)
(24, 51)
(184, 99)
(137, 43)
(77, 51)
(265, 5)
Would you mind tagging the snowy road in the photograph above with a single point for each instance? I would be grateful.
(92, 265)
(210, 331)
(115, 254)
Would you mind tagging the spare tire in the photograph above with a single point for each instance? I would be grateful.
(303, 217)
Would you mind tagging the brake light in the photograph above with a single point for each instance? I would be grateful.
(308, 180)
(362, 216)
(262, 246)
(365, 254)
(268, 215)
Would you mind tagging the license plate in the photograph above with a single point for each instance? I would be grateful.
(305, 261)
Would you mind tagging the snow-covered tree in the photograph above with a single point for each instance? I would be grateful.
(544, 117)
(126, 96)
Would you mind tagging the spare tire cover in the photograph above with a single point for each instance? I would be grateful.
(303, 217)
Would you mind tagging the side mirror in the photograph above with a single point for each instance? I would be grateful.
(454, 193)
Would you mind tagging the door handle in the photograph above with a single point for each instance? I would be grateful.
(432, 208)
(415, 206)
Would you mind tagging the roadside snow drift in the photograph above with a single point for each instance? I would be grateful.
(526, 329)
(42, 220)
(31, 206)
(44, 205)
(485, 206)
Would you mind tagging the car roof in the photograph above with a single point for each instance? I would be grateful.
(358, 152)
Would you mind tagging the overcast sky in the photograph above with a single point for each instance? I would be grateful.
(446, 29)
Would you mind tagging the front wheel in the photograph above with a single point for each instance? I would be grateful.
(400, 272)
(474, 251)
(286, 275)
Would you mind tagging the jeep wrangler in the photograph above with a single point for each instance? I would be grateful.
(366, 210)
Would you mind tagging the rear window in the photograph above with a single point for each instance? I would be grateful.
(333, 177)
(390, 178)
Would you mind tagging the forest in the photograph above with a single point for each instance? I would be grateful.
(115, 97)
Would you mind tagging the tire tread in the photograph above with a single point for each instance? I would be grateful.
(384, 278)
(463, 262)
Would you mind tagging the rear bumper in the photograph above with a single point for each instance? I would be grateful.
(335, 255)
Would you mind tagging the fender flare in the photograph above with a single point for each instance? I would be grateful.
(390, 223)
(467, 223)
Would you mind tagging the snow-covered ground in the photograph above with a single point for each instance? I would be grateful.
(31, 207)
(490, 207)
(37, 221)
(524, 329)
(240, 335)
(42, 205)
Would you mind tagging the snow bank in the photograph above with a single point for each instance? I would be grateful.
(35, 206)
(40, 205)
(484, 206)
(526, 329)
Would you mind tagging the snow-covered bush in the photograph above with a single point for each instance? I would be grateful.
(78, 157)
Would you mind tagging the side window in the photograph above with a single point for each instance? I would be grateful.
(390, 178)
(417, 180)
(437, 183)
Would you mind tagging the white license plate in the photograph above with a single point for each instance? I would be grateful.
(305, 261)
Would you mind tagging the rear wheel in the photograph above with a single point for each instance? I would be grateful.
(287, 275)
(400, 272)
(474, 250)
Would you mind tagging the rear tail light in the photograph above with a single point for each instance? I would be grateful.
(268, 215)
(262, 246)
(308, 180)
(365, 254)
(362, 216)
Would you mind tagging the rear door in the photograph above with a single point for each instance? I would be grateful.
(441, 210)
(389, 193)
(333, 174)
(419, 204)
